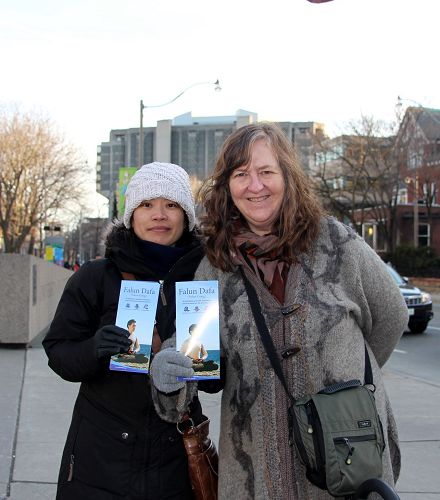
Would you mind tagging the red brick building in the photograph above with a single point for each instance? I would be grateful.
(388, 187)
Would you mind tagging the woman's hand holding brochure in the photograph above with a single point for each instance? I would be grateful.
(166, 366)
(110, 340)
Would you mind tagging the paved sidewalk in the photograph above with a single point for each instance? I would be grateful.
(36, 406)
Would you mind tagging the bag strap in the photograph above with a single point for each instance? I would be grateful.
(368, 377)
(266, 339)
(268, 344)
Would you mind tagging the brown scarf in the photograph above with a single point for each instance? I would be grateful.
(257, 253)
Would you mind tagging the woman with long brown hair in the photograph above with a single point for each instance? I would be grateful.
(324, 294)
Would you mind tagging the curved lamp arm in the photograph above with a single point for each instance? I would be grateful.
(142, 106)
(217, 89)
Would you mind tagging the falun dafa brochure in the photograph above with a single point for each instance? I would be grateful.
(136, 313)
(197, 327)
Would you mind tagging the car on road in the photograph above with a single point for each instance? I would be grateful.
(419, 302)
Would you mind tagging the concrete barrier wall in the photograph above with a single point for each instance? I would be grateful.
(30, 289)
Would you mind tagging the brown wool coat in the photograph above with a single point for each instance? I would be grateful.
(343, 295)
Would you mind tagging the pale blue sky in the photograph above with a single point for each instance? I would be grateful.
(87, 63)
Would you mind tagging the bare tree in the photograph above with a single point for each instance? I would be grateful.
(339, 171)
(85, 241)
(83, 234)
(383, 175)
(39, 172)
(358, 175)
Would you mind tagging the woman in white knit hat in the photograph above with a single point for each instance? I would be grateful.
(117, 446)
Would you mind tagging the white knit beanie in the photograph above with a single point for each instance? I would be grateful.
(159, 180)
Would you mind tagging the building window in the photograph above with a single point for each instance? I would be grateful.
(415, 159)
(429, 192)
(374, 235)
(368, 233)
(424, 235)
(402, 196)
(339, 183)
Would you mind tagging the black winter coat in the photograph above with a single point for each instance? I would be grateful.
(117, 446)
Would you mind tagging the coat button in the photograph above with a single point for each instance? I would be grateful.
(124, 435)
(291, 351)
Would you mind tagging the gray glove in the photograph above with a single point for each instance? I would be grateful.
(166, 366)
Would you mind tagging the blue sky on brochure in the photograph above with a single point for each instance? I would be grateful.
(87, 63)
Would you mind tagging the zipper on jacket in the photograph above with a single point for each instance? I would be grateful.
(71, 464)
(162, 293)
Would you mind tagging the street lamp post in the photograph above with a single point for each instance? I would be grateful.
(141, 134)
(142, 106)
(80, 244)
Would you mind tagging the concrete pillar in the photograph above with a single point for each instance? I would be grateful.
(163, 141)
(29, 294)
(244, 120)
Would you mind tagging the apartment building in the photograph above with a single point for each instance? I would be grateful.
(191, 142)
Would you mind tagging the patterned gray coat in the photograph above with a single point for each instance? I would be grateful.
(342, 295)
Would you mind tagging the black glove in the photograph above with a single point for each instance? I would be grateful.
(109, 340)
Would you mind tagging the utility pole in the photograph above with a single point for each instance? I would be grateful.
(141, 135)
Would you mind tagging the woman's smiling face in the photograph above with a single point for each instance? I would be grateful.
(159, 221)
(257, 189)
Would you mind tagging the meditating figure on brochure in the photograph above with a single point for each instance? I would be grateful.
(194, 349)
(135, 346)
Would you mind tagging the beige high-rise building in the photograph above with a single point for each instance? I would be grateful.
(191, 142)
